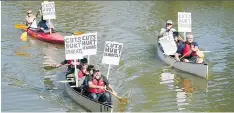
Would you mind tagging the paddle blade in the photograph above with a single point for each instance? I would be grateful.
(49, 67)
(78, 33)
(123, 100)
(24, 36)
(200, 54)
(21, 26)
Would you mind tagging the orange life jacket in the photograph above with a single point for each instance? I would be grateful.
(187, 50)
(97, 83)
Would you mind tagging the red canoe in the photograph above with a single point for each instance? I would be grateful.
(54, 38)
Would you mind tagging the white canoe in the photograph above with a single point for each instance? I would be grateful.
(193, 68)
(85, 102)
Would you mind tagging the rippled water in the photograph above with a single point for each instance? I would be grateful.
(26, 86)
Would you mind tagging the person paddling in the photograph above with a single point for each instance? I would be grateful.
(97, 89)
(31, 20)
(188, 50)
(70, 67)
(167, 31)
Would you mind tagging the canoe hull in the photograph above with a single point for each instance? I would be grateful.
(193, 68)
(54, 38)
(86, 102)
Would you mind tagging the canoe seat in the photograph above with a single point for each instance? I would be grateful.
(70, 76)
(71, 79)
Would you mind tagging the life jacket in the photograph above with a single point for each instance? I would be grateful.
(187, 50)
(81, 73)
(71, 63)
(97, 83)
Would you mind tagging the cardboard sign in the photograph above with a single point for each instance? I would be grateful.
(112, 53)
(48, 10)
(89, 43)
(184, 22)
(73, 47)
(169, 46)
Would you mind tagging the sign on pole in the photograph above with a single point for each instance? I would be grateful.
(73, 47)
(112, 53)
(184, 22)
(89, 44)
(48, 10)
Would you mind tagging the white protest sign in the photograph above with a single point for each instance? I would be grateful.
(184, 22)
(73, 47)
(112, 53)
(48, 10)
(89, 43)
(169, 46)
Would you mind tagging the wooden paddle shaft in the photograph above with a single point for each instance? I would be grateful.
(113, 93)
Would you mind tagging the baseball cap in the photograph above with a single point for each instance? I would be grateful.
(169, 22)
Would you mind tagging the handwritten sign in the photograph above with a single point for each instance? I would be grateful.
(112, 53)
(89, 43)
(73, 47)
(184, 22)
(48, 10)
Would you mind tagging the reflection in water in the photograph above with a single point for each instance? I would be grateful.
(182, 94)
(19, 51)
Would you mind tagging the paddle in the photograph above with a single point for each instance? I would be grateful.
(22, 26)
(121, 100)
(25, 34)
(180, 58)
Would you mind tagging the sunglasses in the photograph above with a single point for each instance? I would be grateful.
(29, 13)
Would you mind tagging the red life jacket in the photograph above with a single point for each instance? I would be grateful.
(97, 83)
(187, 50)
(81, 74)
(71, 61)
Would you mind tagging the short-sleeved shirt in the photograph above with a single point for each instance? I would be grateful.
(106, 82)
(182, 45)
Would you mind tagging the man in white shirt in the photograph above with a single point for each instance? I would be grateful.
(168, 31)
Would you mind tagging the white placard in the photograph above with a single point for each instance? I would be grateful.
(73, 47)
(48, 10)
(89, 43)
(112, 53)
(169, 46)
(184, 22)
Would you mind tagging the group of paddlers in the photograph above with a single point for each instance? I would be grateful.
(187, 50)
(91, 82)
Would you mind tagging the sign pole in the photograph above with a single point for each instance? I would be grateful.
(108, 72)
(76, 76)
(49, 26)
(184, 36)
(88, 59)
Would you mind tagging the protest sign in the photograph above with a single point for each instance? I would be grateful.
(73, 47)
(184, 22)
(89, 44)
(48, 10)
(112, 53)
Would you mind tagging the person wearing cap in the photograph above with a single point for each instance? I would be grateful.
(188, 50)
(97, 90)
(167, 31)
(31, 20)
